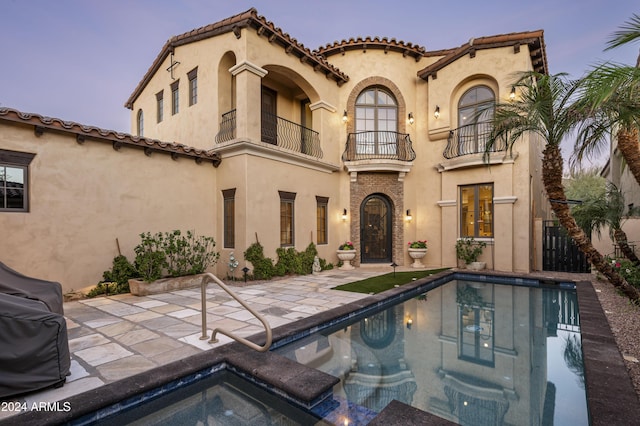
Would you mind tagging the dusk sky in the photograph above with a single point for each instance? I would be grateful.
(79, 60)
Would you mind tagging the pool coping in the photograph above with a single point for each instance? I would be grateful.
(610, 393)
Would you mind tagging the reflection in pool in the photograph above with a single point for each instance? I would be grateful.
(473, 353)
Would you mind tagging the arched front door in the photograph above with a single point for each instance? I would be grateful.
(375, 229)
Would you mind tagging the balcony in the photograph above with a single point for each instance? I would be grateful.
(471, 139)
(227, 127)
(276, 131)
(380, 145)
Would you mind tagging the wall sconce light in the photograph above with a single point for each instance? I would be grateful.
(344, 116)
(409, 322)
(408, 217)
(436, 114)
(411, 120)
(512, 95)
(344, 214)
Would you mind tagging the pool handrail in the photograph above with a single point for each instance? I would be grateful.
(208, 277)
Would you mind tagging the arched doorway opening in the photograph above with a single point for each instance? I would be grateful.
(376, 218)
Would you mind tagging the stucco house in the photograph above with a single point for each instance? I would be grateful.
(369, 140)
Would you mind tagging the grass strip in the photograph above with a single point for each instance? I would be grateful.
(385, 282)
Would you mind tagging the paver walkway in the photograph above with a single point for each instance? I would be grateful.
(114, 337)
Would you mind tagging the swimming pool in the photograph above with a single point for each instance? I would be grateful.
(470, 352)
(610, 393)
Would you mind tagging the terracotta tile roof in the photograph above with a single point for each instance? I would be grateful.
(83, 133)
(534, 39)
(248, 19)
(407, 49)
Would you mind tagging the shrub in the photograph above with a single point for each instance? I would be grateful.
(121, 271)
(469, 250)
(175, 253)
(188, 254)
(262, 266)
(290, 261)
(150, 259)
(628, 270)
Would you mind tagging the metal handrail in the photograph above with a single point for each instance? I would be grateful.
(227, 127)
(381, 144)
(472, 139)
(287, 134)
(210, 277)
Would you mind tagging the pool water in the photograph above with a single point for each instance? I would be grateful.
(222, 399)
(470, 352)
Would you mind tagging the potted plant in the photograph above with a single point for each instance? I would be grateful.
(469, 250)
(417, 250)
(346, 253)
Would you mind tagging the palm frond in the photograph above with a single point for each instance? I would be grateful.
(628, 32)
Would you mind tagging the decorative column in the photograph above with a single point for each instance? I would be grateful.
(248, 99)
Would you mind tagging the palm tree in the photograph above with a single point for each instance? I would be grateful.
(544, 109)
(605, 209)
(611, 100)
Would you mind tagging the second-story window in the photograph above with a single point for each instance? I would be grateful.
(175, 98)
(160, 106)
(193, 86)
(475, 112)
(140, 122)
(376, 122)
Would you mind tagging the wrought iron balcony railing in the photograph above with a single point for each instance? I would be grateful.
(384, 145)
(227, 127)
(471, 139)
(277, 131)
(289, 135)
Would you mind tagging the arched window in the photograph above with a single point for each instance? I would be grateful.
(140, 123)
(376, 121)
(475, 112)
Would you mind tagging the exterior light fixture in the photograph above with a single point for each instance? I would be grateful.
(344, 116)
(411, 120)
(409, 217)
(436, 114)
(512, 95)
(409, 322)
(344, 214)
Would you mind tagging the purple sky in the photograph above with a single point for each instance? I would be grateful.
(79, 60)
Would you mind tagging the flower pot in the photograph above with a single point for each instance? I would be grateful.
(477, 266)
(346, 256)
(417, 254)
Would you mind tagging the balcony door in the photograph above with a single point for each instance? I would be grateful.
(475, 111)
(376, 124)
(375, 226)
(269, 116)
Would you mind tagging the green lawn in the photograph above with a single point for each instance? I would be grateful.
(385, 282)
